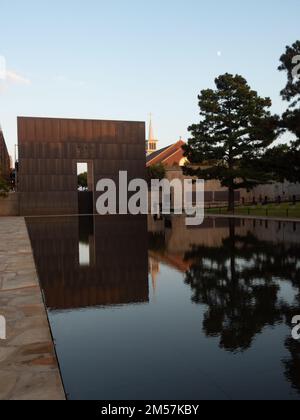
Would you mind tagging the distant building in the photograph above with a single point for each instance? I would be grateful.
(151, 143)
(4, 157)
(173, 159)
(168, 156)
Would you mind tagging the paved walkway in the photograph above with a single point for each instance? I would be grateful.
(28, 365)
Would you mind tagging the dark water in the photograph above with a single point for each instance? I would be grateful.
(162, 311)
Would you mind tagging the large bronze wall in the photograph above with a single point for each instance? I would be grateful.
(4, 158)
(49, 150)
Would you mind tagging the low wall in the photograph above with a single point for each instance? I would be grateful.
(286, 191)
(216, 195)
(9, 206)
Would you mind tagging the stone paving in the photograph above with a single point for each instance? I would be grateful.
(28, 365)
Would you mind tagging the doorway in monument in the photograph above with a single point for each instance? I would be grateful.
(85, 186)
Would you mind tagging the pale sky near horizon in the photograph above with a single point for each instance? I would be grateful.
(121, 59)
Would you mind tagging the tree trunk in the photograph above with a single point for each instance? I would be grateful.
(231, 201)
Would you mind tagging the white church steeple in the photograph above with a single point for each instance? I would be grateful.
(151, 143)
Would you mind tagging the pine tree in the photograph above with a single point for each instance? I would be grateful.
(291, 92)
(289, 60)
(291, 118)
(235, 129)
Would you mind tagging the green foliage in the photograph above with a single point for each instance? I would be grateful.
(291, 122)
(291, 92)
(236, 127)
(157, 171)
(291, 118)
(284, 161)
(83, 180)
(4, 187)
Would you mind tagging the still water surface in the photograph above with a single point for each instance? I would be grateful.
(144, 309)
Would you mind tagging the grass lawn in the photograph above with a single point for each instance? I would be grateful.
(270, 210)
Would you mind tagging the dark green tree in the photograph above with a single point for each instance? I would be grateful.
(235, 129)
(157, 171)
(4, 187)
(289, 60)
(282, 162)
(83, 180)
(287, 162)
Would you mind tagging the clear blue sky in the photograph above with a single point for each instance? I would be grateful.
(122, 59)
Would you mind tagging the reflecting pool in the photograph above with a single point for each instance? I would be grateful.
(151, 309)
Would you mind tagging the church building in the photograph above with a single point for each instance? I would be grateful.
(151, 143)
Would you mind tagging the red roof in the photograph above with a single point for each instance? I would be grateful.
(169, 156)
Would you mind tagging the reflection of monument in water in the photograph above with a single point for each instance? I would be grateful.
(172, 242)
(169, 242)
(91, 261)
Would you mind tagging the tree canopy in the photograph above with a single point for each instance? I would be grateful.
(289, 60)
(291, 92)
(4, 188)
(284, 160)
(157, 171)
(83, 180)
(236, 127)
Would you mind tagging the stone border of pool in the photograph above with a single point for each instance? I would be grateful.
(28, 364)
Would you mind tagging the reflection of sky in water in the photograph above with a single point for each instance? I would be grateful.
(287, 292)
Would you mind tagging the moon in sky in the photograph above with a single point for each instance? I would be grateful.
(219, 53)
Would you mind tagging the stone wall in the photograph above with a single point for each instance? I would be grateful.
(286, 191)
(215, 194)
(9, 206)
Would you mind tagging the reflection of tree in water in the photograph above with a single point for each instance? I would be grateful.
(239, 282)
(292, 365)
